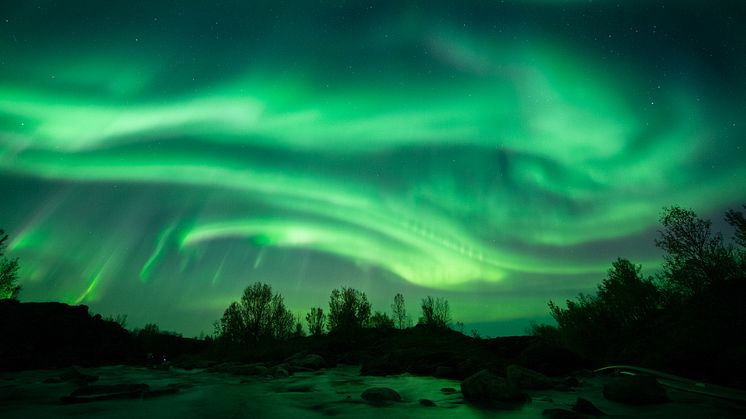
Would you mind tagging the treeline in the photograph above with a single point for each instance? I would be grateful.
(689, 318)
(9, 287)
(262, 316)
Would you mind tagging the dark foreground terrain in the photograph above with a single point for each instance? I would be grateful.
(335, 392)
(59, 361)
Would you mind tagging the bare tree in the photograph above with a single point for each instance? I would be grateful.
(260, 315)
(400, 311)
(349, 311)
(435, 312)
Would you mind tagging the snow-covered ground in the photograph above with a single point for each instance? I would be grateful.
(322, 394)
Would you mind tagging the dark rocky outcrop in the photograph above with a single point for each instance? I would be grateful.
(106, 392)
(95, 393)
(380, 395)
(50, 335)
(586, 407)
(486, 388)
(635, 389)
(306, 362)
(72, 375)
(528, 379)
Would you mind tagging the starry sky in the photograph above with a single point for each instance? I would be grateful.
(156, 157)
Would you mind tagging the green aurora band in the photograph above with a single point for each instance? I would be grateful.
(157, 159)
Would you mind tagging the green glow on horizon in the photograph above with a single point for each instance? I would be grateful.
(432, 150)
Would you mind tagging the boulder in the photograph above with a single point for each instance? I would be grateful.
(635, 389)
(310, 362)
(586, 407)
(485, 387)
(280, 371)
(528, 379)
(249, 369)
(380, 395)
(427, 403)
(106, 392)
(72, 375)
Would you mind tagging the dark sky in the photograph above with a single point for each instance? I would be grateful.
(158, 156)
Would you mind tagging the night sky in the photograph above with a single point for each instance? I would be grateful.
(156, 157)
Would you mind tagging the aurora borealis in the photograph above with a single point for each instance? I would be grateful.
(157, 157)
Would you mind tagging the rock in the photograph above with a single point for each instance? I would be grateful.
(635, 389)
(106, 392)
(250, 369)
(280, 371)
(485, 387)
(72, 375)
(528, 379)
(310, 362)
(561, 414)
(447, 390)
(586, 407)
(380, 395)
(427, 403)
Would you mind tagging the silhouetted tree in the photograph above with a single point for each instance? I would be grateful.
(738, 221)
(120, 319)
(260, 315)
(627, 296)
(349, 311)
(400, 311)
(695, 310)
(695, 257)
(257, 311)
(9, 287)
(298, 327)
(232, 327)
(315, 320)
(596, 325)
(435, 312)
(381, 321)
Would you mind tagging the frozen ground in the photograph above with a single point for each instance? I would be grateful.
(323, 394)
